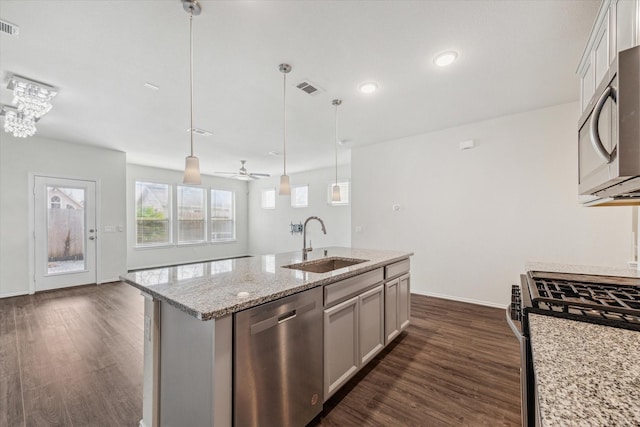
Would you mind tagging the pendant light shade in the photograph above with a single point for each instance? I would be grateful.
(335, 194)
(285, 188)
(192, 171)
(192, 164)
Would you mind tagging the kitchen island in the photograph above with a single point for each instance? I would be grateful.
(189, 322)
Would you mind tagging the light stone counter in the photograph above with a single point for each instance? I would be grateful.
(586, 374)
(582, 269)
(210, 290)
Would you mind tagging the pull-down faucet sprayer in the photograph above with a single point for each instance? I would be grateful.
(306, 250)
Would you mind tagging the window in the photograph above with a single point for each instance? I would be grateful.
(223, 215)
(191, 214)
(55, 202)
(300, 196)
(344, 193)
(153, 214)
(269, 198)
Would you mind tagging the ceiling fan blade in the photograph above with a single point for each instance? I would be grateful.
(260, 175)
(226, 173)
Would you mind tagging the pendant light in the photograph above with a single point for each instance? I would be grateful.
(192, 163)
(285, 188)
(335, 194)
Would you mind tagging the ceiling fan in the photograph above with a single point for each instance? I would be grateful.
(243, 175)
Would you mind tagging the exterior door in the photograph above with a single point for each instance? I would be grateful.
(64, 232)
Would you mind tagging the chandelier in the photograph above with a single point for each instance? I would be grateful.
(31, 101)
(17, 123)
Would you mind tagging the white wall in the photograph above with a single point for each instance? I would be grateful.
(168, 255)
(269, 229)
(36, 155)
(474, 217)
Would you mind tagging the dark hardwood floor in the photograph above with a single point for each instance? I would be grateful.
(73, 357)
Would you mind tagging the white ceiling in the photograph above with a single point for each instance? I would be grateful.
(513, 56)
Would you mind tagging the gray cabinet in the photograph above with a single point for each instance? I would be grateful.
(362, 314)
(404, 301)
(617, 27)
(397, 306)
(391, 295)
(341, 353)
(371, 307)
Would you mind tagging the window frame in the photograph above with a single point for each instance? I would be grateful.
(177, 220)
(330, 193)
(233, 216)
(169, 211)
(293, 190)
(262, 193)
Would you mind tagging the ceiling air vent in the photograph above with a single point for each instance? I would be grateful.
(9, 28)
(308, 87)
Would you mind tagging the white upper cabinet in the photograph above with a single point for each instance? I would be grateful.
(615, 29)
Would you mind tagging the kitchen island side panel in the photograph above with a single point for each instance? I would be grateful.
(186, 369)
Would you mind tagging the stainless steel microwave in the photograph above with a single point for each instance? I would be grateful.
(609, 136)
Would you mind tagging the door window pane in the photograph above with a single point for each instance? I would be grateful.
(65, 230)
(153, 214)
(191, 214)
(223, 215)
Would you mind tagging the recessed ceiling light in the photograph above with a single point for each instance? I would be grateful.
(273, 153)
(151, 86)
(368, 87)
(445, 58)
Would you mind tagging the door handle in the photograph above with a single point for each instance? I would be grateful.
(92, 238)
(610, 91)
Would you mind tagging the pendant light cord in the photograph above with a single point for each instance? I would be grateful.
(191, 75)
(284, 124)
(335, 142)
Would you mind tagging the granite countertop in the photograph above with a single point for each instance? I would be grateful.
(586, 374)
(214, 289)
(582, 269)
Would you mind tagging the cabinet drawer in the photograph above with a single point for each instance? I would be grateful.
(396, 268)
(344, 289)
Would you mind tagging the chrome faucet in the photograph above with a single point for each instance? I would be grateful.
(306, 250)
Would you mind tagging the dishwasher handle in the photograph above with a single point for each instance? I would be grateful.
(279, 319)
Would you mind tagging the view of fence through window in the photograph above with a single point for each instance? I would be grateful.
(191, 214)
(222, 215)
(153, 213)
(154, 223)
(65, 229)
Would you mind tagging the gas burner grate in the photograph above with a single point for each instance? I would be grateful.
(622, 299)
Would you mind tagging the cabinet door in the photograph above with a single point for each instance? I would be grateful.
(341, 355)
(404, 302)
(588, 84)
(371, 323)
(391, 324)
(601, 51)
(626, 12)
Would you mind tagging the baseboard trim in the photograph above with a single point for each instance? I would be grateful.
(14, 294)
(460, 299)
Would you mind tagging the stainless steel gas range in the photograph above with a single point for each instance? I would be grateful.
(609, 301)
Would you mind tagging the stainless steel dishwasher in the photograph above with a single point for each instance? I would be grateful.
(277, 374)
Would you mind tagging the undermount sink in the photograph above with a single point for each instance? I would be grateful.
(325, 265)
